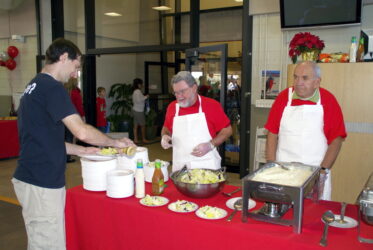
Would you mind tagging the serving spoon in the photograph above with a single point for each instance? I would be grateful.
(327, 218)
(342, 216)
(234, 191)
(237, 207)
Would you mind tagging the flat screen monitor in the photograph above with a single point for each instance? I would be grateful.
(318, 13)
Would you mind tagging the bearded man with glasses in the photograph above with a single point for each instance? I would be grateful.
(194, 126)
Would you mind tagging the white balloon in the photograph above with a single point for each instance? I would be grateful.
(4, 56)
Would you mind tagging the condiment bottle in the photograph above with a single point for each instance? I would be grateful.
(140, 180)
(353, 49)
(360, 51)
(158, 179)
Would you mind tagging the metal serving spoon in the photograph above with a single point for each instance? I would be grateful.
(234, 191)
(342, 216)
(327, 218)
(237, 207)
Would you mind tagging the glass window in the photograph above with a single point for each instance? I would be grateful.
(221, 26)
(74, 22)
(215, 4)
(136, 23)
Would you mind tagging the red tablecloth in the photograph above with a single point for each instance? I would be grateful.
(94, 221)
(9, 145)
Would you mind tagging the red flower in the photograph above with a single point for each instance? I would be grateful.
(304, 42)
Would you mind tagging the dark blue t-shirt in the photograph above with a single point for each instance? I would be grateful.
(42, 160)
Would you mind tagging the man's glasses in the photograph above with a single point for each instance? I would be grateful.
(180, 92)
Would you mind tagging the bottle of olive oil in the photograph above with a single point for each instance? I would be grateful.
(158, 179)
(360, 51)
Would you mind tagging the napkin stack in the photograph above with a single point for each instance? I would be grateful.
(94, 173)
(120, 183)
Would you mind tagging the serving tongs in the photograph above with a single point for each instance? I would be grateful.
(222, 172)
(183, 171)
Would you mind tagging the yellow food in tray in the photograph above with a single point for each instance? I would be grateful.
(108, 151)
(130, 151)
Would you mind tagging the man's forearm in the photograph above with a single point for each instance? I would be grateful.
(73, 149)
(86, 132)
(165, 131)
(271, 146)
(95, 137)
(222, 136)
(332, 153)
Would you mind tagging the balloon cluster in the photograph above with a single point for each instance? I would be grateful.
(7, 57)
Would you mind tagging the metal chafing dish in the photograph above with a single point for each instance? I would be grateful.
(365, 201)
(280, 198)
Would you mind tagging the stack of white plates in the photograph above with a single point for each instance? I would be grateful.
(129, 162)
(94, 173)
(120, 183)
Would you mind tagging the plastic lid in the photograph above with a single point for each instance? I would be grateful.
(139, 163)
(353, 39)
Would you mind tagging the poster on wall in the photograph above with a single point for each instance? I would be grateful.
(270, 84)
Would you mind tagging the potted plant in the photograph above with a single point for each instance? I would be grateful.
(150, 124)
(307, 45)
(122, 106)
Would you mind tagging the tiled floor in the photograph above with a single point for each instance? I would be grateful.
(12, 231)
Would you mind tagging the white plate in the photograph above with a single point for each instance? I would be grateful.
(203, 216)
(97, 157)
(164, 201)
(350, 222)
(172, 207)
(230, 202)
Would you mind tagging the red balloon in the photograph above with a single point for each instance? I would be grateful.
(11, 64)
(13, 51)
(2, 63)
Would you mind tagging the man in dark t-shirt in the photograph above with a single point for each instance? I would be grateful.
(39, 179)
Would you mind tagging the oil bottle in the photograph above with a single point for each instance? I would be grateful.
(158, 179)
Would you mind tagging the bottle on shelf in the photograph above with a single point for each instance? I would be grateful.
(139, 180)
(158, 179)
(360, 51)
(353, 49)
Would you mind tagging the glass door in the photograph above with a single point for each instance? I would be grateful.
(208, 65)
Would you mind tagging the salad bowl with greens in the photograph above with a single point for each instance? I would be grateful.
(199, 183)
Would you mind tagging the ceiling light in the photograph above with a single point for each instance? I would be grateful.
(238, 1)
(161, 8)
(113, 14)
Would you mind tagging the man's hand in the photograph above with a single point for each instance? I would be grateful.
(202, 149)
(124, 142)
(166, 141)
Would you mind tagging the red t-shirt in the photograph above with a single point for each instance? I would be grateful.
(333, 118)
(100, 112)
(215, 116)
(76, 99)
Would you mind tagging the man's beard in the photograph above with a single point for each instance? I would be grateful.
(187, 102)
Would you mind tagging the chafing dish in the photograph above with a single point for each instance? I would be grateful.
(279, 198)
(365, 202)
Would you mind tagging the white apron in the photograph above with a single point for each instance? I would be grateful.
(302, 138)
(189, 131)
